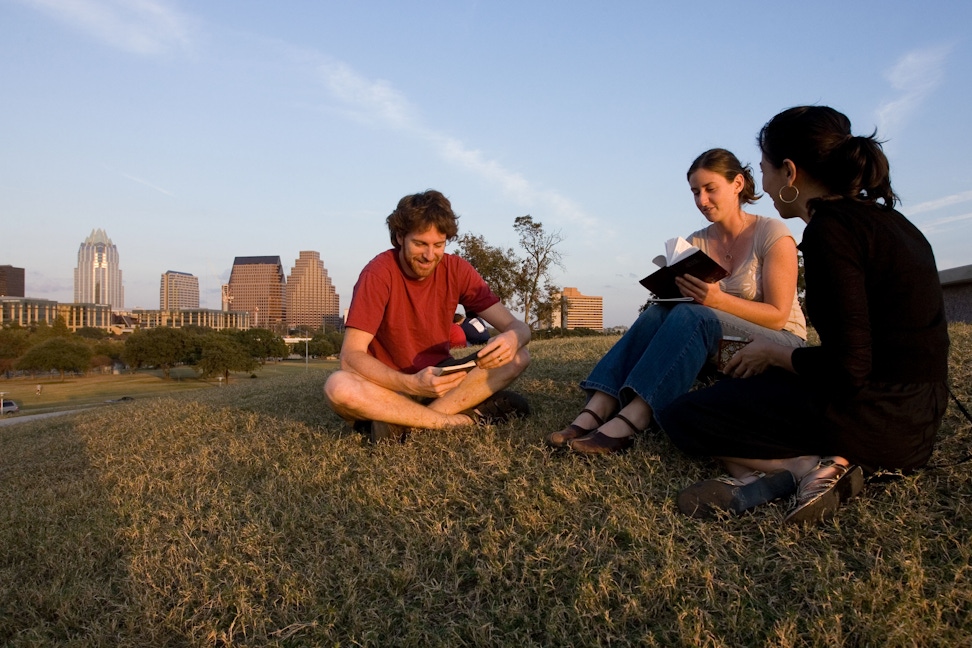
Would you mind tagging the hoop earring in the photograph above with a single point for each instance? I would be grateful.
(795, 195)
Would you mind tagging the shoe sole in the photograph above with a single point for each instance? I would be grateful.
(705, 500)
(822, 507)
(579, 446)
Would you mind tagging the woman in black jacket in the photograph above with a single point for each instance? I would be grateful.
(872, 394)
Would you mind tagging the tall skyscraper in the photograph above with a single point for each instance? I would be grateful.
(178, 291)
(257, 285)
(311, 298)
(98, 279)
(11, 281)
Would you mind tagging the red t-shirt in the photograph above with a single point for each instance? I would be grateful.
(411, 319)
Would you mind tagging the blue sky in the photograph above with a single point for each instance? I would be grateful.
(196, 132)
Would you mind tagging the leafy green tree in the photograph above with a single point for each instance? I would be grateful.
(56, 354)
(498, 267)
(533, 287)
(44, 331)
(221, 354)
(544, 309)
(14, 342)
(161, 347)
(111, 348)
(322, 344)
(91, 333)
(263, 343)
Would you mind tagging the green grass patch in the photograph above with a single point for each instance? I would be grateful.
(252, 516)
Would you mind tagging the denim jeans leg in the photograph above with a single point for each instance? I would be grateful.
(688, 337)
(611, 371)
(738, 327)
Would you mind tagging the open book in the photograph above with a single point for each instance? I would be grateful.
(681, 258)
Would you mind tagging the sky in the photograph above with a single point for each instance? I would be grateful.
(195, 132)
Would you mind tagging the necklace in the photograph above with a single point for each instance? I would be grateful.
(728, 249)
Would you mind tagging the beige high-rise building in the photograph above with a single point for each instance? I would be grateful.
(257, 286)
(98, 278)
(311, 298)
(581, 311)
(178, 291)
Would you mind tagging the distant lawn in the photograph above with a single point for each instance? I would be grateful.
(95, 389)
(251, 516)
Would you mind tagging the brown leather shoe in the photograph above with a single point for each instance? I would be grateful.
(599, 443)
(562, 438)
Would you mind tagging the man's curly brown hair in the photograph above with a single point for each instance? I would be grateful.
(418, 212)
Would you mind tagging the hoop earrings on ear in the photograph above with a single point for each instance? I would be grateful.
(796, 194)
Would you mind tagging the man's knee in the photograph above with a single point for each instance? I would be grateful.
(521, 360)
(341, 391)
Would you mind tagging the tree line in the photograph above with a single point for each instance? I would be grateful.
(524, 283)
(47, 348)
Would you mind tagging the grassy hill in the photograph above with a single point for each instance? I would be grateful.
(251, 516)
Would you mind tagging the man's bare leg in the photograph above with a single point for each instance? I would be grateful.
(354, 397)
(480, 384)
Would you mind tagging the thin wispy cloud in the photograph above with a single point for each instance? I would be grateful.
(145, 27)
(947, 201)
(372, 101)
(147, 184)
(914, 77)
(938, 225)
(378, 103)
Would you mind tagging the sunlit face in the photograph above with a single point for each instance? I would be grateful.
(773, 181)
(715, 196)
(421, 252)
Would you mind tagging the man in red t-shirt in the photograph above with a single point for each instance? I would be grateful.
(397, 331)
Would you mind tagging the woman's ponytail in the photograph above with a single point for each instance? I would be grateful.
(818, 139)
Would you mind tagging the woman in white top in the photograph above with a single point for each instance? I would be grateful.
(661, 354)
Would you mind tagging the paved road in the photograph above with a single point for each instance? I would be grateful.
(8, 419)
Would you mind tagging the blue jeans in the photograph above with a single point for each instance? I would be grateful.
(663, 351)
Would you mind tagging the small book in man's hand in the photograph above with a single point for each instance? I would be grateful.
(681, 258)
(453, 365)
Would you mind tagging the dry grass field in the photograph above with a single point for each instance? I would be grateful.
(252, 516)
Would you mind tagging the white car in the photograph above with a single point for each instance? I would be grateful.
(10, 407)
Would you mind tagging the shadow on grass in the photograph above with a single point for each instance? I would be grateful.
(64, 567)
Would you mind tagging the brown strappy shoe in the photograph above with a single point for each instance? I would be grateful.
(562, 438)
(596, 442)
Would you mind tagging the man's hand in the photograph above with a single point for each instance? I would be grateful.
(499, 351)
(428, 383)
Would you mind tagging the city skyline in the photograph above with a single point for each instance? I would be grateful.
(196, 132)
